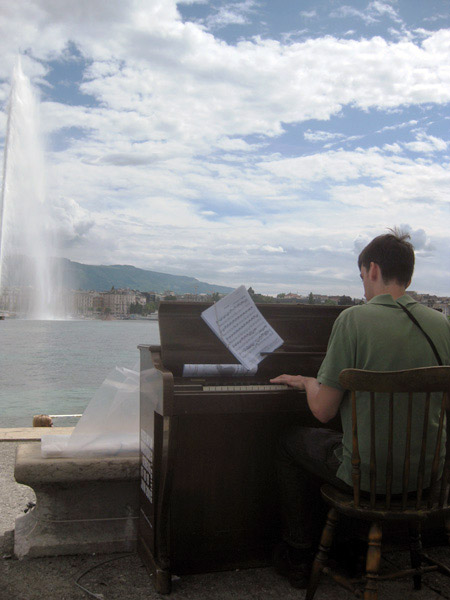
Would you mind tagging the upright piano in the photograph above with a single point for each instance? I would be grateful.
(209, 498)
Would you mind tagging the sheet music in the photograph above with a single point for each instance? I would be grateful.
(242, 328)
(216, 371)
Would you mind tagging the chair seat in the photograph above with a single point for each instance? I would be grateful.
(345, 504)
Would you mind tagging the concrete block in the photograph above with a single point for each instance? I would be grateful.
(83, 505)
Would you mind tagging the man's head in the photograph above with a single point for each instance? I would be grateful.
(393, 254)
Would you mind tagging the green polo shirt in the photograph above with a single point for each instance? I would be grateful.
(379, 336)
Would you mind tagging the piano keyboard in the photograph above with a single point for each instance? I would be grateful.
(266, 387)
(237, 387)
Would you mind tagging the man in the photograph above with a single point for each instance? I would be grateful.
(377, 336)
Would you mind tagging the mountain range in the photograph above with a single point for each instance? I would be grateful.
(79, 276)
(103, 277)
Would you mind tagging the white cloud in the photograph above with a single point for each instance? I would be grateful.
(371, 14)
(321, 136)
(397, 126)
(172, 166)
(308, 14)
(268, 248)
(383, 8)
(399, 178)
(394, 148)
(419, 238)
(426, 144)
(236, 145)
(71, 222)
(348, 11)
(171, 67)
(233, 13)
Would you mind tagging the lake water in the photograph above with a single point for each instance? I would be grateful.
(55, 367)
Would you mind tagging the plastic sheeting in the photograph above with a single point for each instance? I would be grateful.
(108, 426)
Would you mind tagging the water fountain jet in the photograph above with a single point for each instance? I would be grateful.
(27, 270)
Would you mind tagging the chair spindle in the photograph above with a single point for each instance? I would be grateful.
(373, 457)
(407, 461)
(390, 455)
(356, 460)
(423, 451)
(437, 455)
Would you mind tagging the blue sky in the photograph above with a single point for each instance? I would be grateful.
(250, 142)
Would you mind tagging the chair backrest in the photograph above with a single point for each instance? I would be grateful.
(423, 381)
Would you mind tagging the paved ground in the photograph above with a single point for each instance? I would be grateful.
(124, 577)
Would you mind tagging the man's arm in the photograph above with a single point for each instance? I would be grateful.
(323, 400)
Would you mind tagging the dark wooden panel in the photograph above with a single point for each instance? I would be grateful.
(224, 507)
(186, 339)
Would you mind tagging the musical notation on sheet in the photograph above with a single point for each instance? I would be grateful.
(237, 321)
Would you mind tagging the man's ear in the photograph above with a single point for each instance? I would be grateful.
(374, 271)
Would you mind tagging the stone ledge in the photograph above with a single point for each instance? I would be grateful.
(29, 434)
(32, 468)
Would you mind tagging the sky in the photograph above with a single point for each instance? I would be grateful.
(255, 142)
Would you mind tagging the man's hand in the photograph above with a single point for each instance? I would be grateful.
(323, 401)
(295, 381)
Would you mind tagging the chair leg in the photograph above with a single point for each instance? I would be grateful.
(415, 548)
(321, 557)
(373, 562)
(447, 528)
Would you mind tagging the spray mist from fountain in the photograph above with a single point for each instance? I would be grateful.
(27, 270)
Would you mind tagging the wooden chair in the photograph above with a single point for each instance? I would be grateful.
(431, 495)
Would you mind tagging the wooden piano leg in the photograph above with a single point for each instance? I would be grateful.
(163, 581)
(169, 447)
(161, 577)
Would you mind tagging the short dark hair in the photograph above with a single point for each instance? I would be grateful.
(393, 254)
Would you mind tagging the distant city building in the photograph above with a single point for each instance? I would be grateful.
(82, 302)
(195, 297)
(117, 302)
(10, 299)
(442, 304)
(97, 303)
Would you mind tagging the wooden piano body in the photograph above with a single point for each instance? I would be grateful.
(209, 497)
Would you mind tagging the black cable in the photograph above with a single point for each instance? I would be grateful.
(92, 594)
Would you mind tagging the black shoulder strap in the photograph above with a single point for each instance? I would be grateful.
(416, 322)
